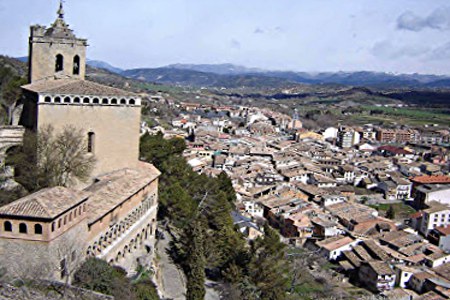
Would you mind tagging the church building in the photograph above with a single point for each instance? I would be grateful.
(49, 233)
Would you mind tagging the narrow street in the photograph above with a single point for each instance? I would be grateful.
(173, 281)
(172, 278)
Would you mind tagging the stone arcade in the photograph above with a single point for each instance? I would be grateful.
(48, 233)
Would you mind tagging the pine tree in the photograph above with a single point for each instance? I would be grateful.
(390, 213)
(195, 262)
(268, 267)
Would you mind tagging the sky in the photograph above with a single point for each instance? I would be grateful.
(398, 36)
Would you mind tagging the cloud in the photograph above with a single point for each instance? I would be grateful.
(275, 30)
(258, 31)
(441, 52)
(235, 44)
(439, 19)
(389, 50)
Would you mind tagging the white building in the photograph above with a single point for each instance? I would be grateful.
(436, 216)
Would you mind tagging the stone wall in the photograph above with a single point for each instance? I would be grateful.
(115, 128)
(38, 260)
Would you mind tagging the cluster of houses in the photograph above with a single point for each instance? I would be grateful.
(319, 189)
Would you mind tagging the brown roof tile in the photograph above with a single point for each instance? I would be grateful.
(47, 203)
(75, 87)
(114, 188)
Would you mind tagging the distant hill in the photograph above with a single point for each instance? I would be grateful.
(93, 63)
(363, 78)
(232, 76)
(184, 77)
(221, 69)
(103, 65)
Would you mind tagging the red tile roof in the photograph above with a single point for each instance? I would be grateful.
(445, 230)
(431, 179)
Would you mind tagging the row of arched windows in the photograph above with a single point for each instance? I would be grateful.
(23, 228)
(121, 228)
(88, 100)
(68, 217)
(59, 64)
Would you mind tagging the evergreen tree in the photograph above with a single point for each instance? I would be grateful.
(268, 267)
(226, 186)
(390, 213)
(195, 262)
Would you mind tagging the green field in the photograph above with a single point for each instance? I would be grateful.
(402, 210)
(409, 116)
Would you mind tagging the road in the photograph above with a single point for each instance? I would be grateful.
(173, 281)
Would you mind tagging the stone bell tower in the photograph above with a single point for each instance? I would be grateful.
(55, 52)
(58, 95)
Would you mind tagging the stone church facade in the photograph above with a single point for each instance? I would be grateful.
(49, 233)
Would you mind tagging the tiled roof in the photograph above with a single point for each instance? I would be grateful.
(75, 87)
(381, 267)
(336, 244)
(445, 230)
(114, 188)
(431, 179)
(47, 203)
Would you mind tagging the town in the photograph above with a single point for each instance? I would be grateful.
(372, 200)
(219, 181)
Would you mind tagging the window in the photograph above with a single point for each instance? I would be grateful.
(74, 255)
(86, 100)
(53, 226)
(23, 228)
(105, 101)
(7, 226)
(59, 64)
(65, 220)
(63, 267)
(132, 102)
(48, 99)
(57, 100)
(76, 65)
(91, 142)
(96, 101)
(76, 100)
(114, 101)
(123, 101)
(59, 223)
(67, 100)
(37, 229)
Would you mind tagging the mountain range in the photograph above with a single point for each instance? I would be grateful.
(229, 75)
(233, 76)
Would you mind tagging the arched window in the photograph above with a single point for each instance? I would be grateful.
(53, 226)
(48, 99)
(132, 102)
(76, 100)
(59, 64)
(105, 101)
(76, 65)
(67, 100)
(114, 101)
(123, 101)
(37, 229)
(91, 142)
(96, 101)
(7, 226)
(23, 228)
(86, 100)
(57, 100)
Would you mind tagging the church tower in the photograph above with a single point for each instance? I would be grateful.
(55, 52)
(58, 95)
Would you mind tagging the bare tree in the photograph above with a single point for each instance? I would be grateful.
(63, 157)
